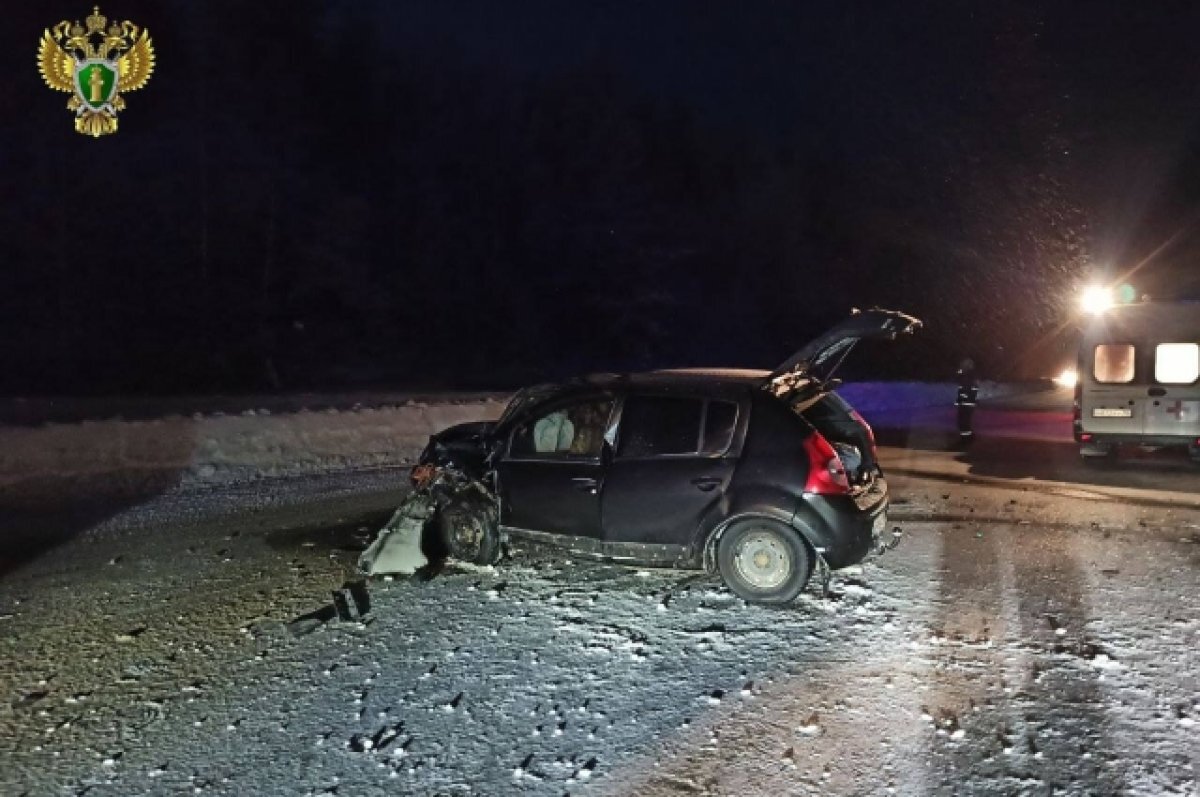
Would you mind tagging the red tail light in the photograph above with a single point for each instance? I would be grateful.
(826, 473)
(870, 433)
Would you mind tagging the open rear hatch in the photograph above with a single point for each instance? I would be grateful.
(803, 382)
(813, 365)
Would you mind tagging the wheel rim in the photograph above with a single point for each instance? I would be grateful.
(762, 560)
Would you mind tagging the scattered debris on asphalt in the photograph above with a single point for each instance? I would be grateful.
(351, 603)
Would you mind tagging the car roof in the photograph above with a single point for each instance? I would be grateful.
(706, 380)
(724, 383)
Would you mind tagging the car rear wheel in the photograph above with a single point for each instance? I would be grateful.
(764, 561)
(468, 526)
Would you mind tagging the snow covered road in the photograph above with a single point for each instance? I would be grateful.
(1029, 636)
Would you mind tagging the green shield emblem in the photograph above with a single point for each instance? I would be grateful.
(96, 82)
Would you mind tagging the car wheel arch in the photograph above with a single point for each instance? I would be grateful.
(713, 539)
(742, 500)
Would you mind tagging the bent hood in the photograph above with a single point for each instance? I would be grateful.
(815, 362)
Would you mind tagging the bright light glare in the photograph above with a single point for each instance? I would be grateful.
(1096, 300)
(1067, 378)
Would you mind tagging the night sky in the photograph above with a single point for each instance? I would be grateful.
(480, 194)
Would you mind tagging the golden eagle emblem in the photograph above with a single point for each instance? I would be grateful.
(96, 63)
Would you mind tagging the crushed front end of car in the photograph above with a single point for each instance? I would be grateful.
(448, 512)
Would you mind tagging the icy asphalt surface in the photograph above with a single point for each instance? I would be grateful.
(1035, 633)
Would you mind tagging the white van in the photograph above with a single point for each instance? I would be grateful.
(1139, 379)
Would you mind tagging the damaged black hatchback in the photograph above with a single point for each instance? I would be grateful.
(760, 476)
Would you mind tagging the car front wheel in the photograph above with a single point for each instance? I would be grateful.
(764, 561)
(468, 526)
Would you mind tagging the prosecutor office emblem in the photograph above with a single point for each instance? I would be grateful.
(96, 63)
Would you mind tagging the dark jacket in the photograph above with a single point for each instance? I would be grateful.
(968, 389)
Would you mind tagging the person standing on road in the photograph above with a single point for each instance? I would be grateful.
(968, 393)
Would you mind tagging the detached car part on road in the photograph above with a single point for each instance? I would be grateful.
(760, 476)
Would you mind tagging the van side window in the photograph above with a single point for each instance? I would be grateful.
(1113, 363)
(1176, 363)
(654, 426)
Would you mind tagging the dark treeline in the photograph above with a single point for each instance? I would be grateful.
(299, 199)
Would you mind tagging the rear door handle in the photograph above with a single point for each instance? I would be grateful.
(707, 483)
(1157, 391)
(585, 484)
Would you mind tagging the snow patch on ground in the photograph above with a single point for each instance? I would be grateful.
(546, 677)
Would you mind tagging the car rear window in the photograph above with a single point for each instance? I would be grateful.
(1176, 363)
(1113, 363)
(654, 426)
(719, 423)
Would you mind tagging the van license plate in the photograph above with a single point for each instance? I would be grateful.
(1112, 412)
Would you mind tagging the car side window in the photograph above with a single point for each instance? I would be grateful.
(654, 426)
(720, 420)
(568, 431)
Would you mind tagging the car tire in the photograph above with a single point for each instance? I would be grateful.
(764, 561)
(468, 527)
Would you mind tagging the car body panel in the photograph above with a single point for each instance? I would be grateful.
(636, 553)
(844, 529)
(561, 497)
(661, 501)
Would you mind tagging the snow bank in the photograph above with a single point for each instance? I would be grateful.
(221, 449)
(249, 444)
